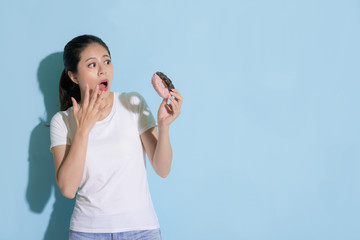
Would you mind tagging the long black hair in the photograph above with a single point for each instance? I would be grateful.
(71, 58)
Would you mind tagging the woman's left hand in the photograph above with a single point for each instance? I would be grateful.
(169, 112)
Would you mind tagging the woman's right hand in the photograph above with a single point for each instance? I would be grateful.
(90, 111)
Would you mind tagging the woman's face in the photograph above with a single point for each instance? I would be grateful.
(95, 69)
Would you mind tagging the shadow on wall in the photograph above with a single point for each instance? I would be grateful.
(41, 164)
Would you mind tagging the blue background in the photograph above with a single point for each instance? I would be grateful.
(267, 145)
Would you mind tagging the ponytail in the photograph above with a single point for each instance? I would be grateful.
(67, 89)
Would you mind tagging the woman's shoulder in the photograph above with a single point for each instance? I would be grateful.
(62, 116)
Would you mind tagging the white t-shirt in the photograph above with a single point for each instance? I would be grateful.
(113, 195)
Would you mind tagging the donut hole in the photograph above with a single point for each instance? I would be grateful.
(164, 84)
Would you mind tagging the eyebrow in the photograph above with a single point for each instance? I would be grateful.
(94, 57)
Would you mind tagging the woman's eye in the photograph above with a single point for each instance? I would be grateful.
(108, 62)
(91, 65)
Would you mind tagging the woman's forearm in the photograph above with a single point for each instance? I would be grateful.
(70, 173)
(163, 153)
(167, 113)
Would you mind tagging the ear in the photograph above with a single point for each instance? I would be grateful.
(73, 77)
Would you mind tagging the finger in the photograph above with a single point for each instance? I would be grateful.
(164, 102)
(177, 96)
(86, 98)
(75, 105)
(169, 109)
(174, 104)
(99, 99)
(94, 97)
(175, 91)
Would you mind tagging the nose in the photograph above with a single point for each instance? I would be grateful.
(102, 70)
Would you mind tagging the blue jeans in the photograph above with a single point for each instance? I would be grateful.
(154, 234)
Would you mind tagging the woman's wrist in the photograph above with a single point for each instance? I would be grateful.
(163, 128)
(81, 132)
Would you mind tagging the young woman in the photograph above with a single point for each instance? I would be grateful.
(99, 140)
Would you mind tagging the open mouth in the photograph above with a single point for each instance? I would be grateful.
(103, 86)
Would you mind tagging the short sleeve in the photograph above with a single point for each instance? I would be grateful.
(145, 118)
(58, 131)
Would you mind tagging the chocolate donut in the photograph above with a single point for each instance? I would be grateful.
(158, 80)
